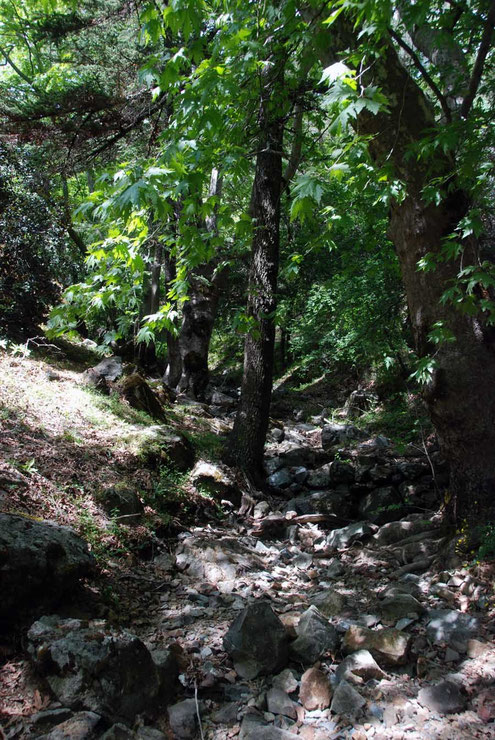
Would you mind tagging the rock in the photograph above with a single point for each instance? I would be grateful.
(183, 719)
(104, 374)
(51, 716)
(138, 394)
(315, 636)
(322, 502)
(223, 400)
(300, 474)
(334, 571)
(108, 672)
(216, 559)
(217, 480)
(346, 700)
(387, 646)
(281, 479)
(360, 664)
(286, 681)
(444, 698)
(272, 464)
(476, 648)
(123, 499)
(381, 505)
(319, 478)
(341, 472)
(278, 702)
(347, 536)
(399, 606)
(261, 509)
(254, 727)
(315, 692)
(337, 434)
(40, 563)
(257, 641)
(451, 626)
(78, 727)
(118, 732)
(330, 603)
(277, 434)
(159, 446)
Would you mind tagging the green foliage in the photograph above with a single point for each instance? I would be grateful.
(34, 255)
(486, 550)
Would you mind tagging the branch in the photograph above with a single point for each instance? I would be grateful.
(295, 155)
(126, 129)
(483, 50)
(424, 73)
(14, 66)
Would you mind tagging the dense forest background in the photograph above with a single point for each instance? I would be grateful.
(308, 183)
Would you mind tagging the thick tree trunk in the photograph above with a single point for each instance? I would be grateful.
(251, 424)
(199, 314)
(461, 395)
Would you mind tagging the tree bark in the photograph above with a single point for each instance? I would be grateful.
(247, 441)
(199, 314)
(461, 395)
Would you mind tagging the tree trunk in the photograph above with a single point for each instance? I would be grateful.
(199, 314)
(461, 394)
(173, 370)
(247, 442)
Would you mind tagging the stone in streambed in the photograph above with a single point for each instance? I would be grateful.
(315, 636)
(257, 641)
(387, 646)
(315, 692)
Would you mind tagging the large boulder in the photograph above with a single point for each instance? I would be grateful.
(40, 562)
(216, 480)
(108, 672)
(159, 446)
(388, 646)
(135, 390)
(315, 637)
(347, 536)
(257, 641)
(103, 375)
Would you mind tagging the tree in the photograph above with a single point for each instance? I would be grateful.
(430, 140)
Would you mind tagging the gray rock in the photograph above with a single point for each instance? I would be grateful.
(451, 626)
(330, 603)
(360, 664)
(261, 509)
(254, 727)
(107, 371)
(277, 434)
(286, 681)
(123, 499)
(272, 464)
(110, 673)
(183, 719)
(347, 536)
(217, 480)
(315, 636)
(341, 472)
(300, 474)
(223, 400)
(444, 698)
(257, 641)
(51, 716)
(334, 434)
(40, 563)
(319, 478)
(278, 702)
(158, 446)
(399, 606)
(381, 505)
(281, 479)
(346, 700)
(78, 727)
(150, 733)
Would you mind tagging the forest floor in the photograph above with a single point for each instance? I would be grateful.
(182, 575)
